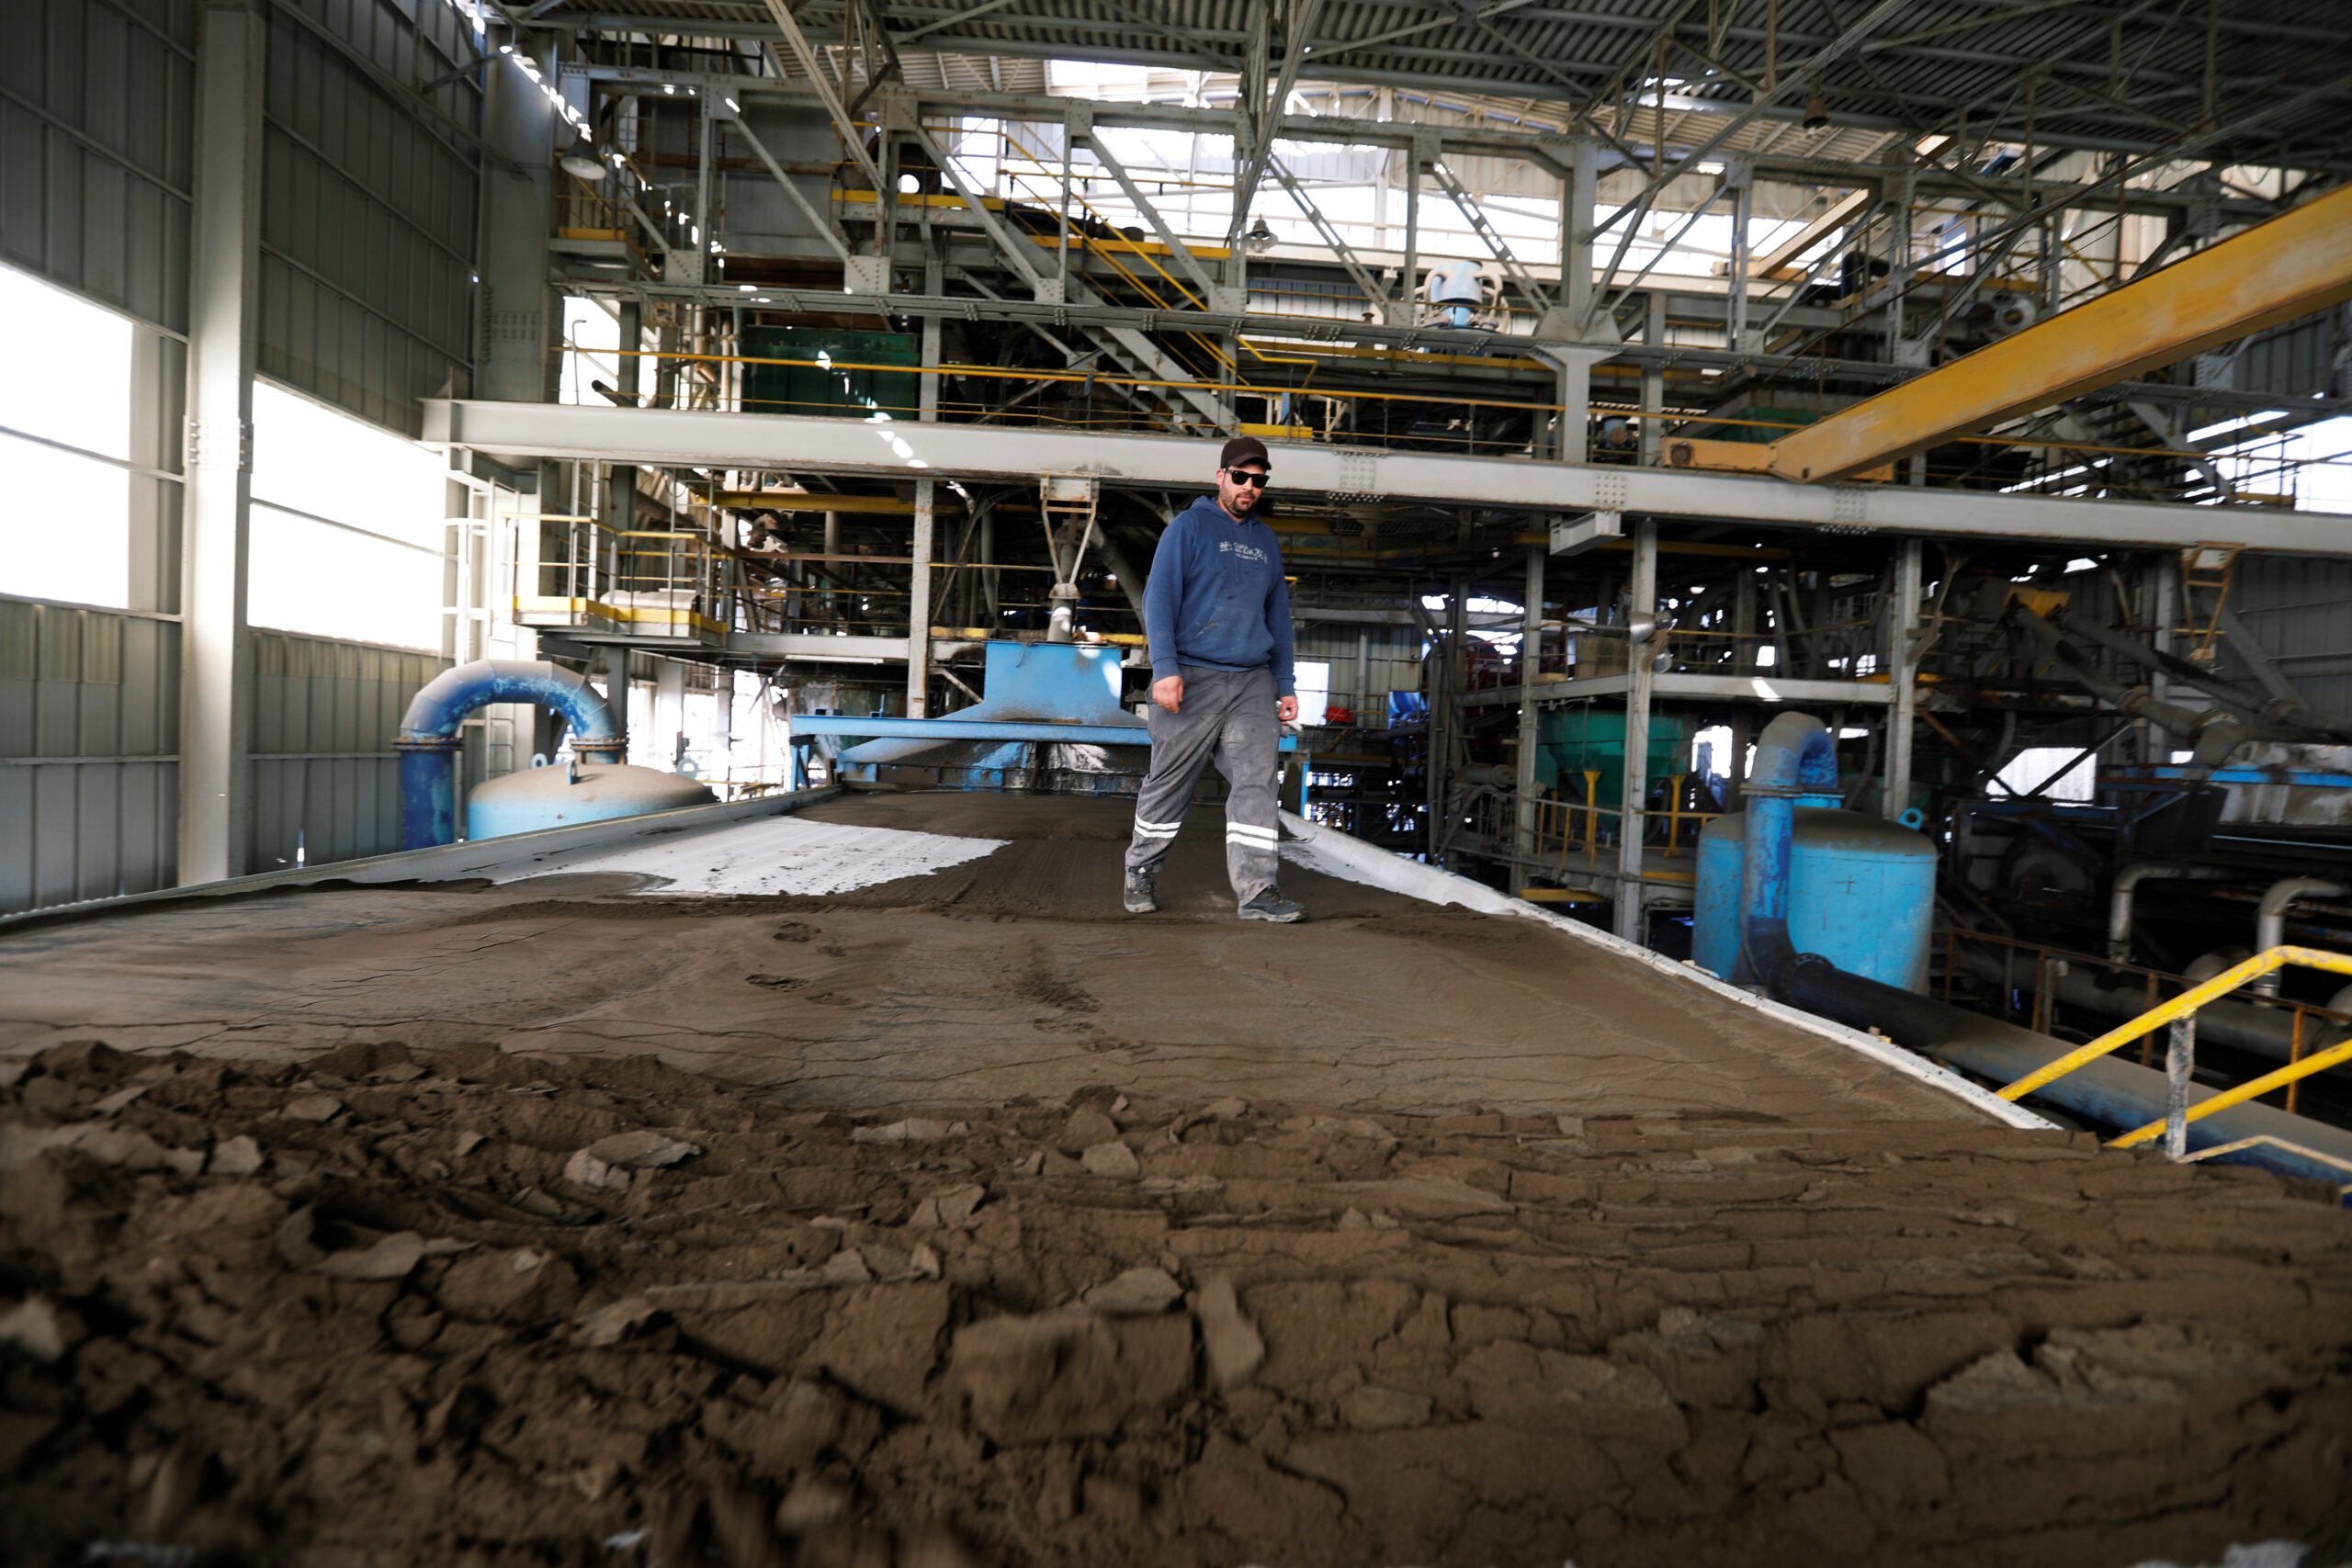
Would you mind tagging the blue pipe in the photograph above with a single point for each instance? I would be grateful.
(1796, 757)
(428, 737)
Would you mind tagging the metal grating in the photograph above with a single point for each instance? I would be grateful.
(2104, 76)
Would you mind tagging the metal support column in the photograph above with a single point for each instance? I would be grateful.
(832, 601)
(919, 549)
(668, 728)
(1653, 428)
(1903, 649)
(1641, 600)
(1574, 383)
(216, 725)
(516, 193)
(2163, 614)
(1406, 308)
(615, 665)
(1531, 636)
(1445, 741)
(1742, 208)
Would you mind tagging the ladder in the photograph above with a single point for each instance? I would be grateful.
(2208, 566)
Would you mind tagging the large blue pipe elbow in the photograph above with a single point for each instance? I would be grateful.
(1797, 756)
(428, 737)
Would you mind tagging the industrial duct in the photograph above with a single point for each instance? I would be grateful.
(1796, 756)
(428, 738)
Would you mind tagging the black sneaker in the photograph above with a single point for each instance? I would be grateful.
(1140, 893)
(1271, 905)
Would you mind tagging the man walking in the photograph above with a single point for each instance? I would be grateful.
(1216, 615)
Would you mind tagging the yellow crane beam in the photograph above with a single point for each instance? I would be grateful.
(2296, 263)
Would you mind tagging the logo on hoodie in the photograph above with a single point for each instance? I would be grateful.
(1247, 552)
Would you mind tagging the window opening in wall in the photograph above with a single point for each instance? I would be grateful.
(592, 338)
(1312, 678)
(65, 410)
(2027, 770)
(348, 526)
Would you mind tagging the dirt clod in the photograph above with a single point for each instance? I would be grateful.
(411, 1333)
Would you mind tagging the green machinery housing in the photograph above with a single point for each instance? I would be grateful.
(828, 374)
(1571, 743)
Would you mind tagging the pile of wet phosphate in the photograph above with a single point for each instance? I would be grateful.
(455, 1307)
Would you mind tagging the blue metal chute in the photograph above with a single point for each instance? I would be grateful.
(428, 737)
(1048, 718)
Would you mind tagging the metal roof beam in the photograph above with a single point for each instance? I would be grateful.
(1012, 456)
(1548, 148)
(1090, 315)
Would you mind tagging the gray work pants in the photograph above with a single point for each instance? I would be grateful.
(1227, 714)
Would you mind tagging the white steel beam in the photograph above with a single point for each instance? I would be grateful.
(215, 723)
(1633, 821)
(1011, 455)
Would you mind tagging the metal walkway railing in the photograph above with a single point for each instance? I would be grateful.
(2181, 1049)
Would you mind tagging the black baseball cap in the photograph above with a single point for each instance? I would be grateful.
(1243, 449)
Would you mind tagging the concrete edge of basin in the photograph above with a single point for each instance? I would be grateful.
(489, 858)
(1337, 854)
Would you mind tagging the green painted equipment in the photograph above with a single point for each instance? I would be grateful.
(819, 381)
(1570, 743)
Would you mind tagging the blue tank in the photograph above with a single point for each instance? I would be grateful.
(1861, 893)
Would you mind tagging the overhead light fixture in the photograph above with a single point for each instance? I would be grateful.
(580, 167)
(1816, 112)
(1260, 239)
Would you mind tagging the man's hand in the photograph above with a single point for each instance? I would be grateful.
(1169, 693)
(1285, 710)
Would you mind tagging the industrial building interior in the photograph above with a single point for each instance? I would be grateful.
(572, 681)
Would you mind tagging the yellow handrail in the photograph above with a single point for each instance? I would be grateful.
(2291, 1073)
(2181, 1007)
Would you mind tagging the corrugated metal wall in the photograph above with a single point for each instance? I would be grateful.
(369, 207)
(89, 743)
(326, 781)
(97, 105)
(2301, 612)
(2298, 360)
(1393, 662)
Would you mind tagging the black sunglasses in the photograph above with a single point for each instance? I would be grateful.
(1244, 477)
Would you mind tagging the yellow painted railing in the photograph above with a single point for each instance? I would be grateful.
(2181, 1012)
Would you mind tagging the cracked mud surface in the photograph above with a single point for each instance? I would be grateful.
(402, 1306)
(1013, 973)
(961, 1220)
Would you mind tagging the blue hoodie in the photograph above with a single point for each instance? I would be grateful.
(1215, 599)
